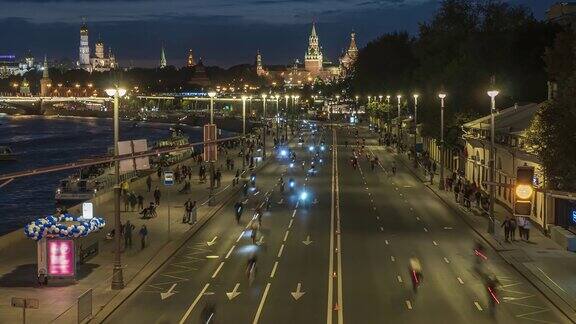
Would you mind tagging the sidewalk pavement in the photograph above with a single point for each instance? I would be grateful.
(544, 263)
(58, 303)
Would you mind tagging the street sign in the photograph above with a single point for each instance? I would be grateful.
(210, 150)
(168, 178)
(87, 210)
(25, 302)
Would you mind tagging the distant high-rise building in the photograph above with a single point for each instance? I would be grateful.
(162, 58)
(191, 61)
(45, 82)
(84, 58)
(563, 13)
(313, 58)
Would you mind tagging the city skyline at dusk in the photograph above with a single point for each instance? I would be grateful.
(221, 32)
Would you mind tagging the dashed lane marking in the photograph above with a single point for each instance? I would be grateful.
(230, 251)
(217, 270)
(280, 251)
(399, 279)
(286, 235)
(392, 258)
(478, 306)
(446, 260)
(408, 304)
(460, 280)
(274, 269)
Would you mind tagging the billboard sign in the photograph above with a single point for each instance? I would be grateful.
(61, 260)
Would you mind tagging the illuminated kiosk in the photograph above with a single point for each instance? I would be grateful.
(56, 245)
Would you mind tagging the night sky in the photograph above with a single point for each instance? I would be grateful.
(223, 32)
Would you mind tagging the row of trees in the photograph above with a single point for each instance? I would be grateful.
(459, 51)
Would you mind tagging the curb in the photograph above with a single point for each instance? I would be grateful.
(549, 293)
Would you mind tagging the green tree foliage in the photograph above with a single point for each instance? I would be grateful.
(551, 135)
(464, 44)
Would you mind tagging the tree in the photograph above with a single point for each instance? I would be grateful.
(551, 135)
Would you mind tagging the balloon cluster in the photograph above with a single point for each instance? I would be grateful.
(52, 225)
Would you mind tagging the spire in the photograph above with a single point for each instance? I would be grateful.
(191, 61)
(313, 33)
(353, 46)
(162, 58)
(45, 69)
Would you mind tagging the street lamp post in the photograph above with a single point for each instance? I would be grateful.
(265, 128)
(211, 94)
(398, 123)
(286, 97)
(244, 115)
(492, 94)
(388, 112)
(277, 117)
(442, 96)
(117, 276)
(244, 127)
(415, 128)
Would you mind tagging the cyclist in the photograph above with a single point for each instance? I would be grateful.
(415, 272)
(238, 207)
(208, 313)
(251, 268)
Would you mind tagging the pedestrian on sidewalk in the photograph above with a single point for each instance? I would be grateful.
(157, 195)
(187, 211)
(126, 199)
(218, 177)
(143, 234)
(149, 183)
(506, 225)
(128, 228)
(133, 201)
(140, 202)
(521, 225)
(527, 227)
(513, 226)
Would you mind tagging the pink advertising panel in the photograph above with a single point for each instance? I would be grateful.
(60, 258)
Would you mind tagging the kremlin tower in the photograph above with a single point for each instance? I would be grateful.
(313, 58)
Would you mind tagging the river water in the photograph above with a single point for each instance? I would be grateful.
(46, 141)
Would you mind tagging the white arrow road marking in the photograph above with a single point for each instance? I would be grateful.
(399, 279)
(169, 293)
(386, 241)
(460, 280)
(307, 241)
(213, 241)
(446, 260)
(392, 258)
(297, 294)
(435, 243)
(234, 293)
(425, 230)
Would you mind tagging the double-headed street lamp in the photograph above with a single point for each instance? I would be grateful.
(442, 96)
(415, 128)
(117, 276)
(388, 112)
(492, 94)
(265, 128)
(277, 97)
(398, 122)
(212, 94)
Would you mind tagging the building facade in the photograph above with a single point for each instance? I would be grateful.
(45, 82)
(11, 65)
(100, 61)
(316, 66)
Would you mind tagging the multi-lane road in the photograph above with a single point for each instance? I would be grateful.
(340, 255)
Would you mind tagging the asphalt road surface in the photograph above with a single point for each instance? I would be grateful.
(339, 255)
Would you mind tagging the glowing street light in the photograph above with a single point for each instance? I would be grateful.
(492, 94)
